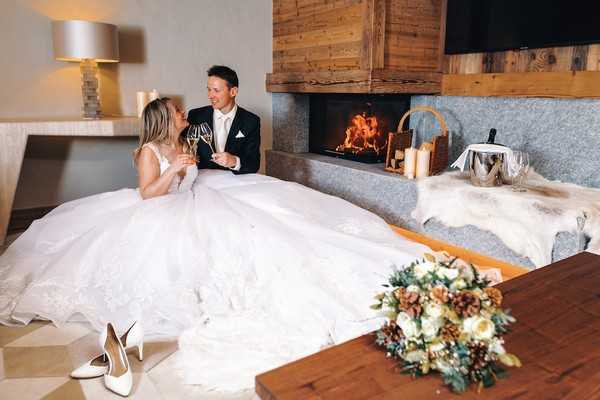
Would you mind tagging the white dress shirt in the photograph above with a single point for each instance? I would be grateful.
(222, 124)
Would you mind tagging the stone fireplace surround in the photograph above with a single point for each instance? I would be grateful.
(562, 137)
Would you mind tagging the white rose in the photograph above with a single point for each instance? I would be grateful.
(458, 284)
(449, 273)
(466, 271)
(408, 326)
(423, 269)
(415, 356)
(480, 328)
(430, 327)
(496, 347)
(413, 288)
(442, 366)
(434, 310)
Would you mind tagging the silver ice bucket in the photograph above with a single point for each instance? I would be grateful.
(485, 169)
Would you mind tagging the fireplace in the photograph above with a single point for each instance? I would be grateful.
(354, 126)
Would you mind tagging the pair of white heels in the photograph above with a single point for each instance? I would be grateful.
(113, 363)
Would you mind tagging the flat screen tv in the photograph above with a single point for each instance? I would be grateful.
(475, 26)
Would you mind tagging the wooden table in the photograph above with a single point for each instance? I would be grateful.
(557, 337)
(13, 140)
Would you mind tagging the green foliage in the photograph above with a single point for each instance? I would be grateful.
(458, 383)
(405, 277)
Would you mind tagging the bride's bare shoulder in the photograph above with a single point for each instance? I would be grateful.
(149, 158)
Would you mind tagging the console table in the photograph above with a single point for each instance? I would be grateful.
(13, 140)
(557, 337)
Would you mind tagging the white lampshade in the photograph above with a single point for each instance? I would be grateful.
(83, 40)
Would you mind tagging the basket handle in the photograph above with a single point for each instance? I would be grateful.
(436, 114)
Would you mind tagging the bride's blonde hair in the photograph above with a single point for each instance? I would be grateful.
(157, 123)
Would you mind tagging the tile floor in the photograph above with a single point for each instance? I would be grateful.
(35, 362)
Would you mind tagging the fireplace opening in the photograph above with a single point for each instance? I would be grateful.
(354, 126)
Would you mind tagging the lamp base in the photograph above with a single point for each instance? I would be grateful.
(89, 89)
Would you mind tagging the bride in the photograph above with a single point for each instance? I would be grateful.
(249, 271)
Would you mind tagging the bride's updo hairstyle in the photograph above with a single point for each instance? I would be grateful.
(157, 121)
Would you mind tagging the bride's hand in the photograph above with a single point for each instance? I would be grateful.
(182, 161)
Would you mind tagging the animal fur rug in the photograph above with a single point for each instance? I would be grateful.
(527, 222)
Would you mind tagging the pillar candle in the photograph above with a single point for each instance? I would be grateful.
(142, 100)
(410, 162)
(423, 163)
(153, 95)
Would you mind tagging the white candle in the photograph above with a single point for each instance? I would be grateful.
(423, 163)
(142, 100)
(153, 95)
(410, 162)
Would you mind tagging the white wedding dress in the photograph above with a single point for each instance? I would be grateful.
(250, 271)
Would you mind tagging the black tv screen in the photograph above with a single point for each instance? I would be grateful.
(475, 26)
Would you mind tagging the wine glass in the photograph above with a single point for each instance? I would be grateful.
(192, 138)
(516, 168)
(206, 134)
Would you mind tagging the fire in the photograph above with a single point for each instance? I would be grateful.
(363, 136)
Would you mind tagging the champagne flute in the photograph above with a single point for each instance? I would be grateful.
(192, 138)
(206, 134)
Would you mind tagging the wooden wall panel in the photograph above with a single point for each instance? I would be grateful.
(349, 46)
(552, 59)
(287, 10)
(412, 35)
(311, 35)
(373, 39)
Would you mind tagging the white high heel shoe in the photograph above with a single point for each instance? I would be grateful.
(97, 366)
(118, 378)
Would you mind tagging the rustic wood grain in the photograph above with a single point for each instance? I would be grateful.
(315, 37)
(551, 59)
(557, 337)
(356, 81)
(413, 31)
(373, 41)
(582, 84)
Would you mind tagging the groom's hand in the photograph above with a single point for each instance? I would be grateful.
(225, 159)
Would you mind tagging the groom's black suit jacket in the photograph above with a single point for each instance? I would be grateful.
(247, 148)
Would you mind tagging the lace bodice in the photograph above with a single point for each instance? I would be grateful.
(178, 184)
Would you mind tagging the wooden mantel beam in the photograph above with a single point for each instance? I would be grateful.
(580, 84)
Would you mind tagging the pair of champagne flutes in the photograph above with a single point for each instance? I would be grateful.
(195, 133)
(516, 167)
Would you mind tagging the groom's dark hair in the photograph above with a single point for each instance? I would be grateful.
(225, 73)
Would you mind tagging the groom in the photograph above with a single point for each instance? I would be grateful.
(236, 132)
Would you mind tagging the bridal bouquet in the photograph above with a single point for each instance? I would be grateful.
(443, 316)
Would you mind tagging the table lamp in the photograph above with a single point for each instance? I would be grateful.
(88, 43)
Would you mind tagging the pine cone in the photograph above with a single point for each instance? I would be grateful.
(450, 332)
(392, 332)
(440, 294)
(409, 303)
(399, 293)
(495, 295)
(478, 355)
(466, 304)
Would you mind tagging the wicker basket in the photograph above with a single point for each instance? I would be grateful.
(402, 139)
